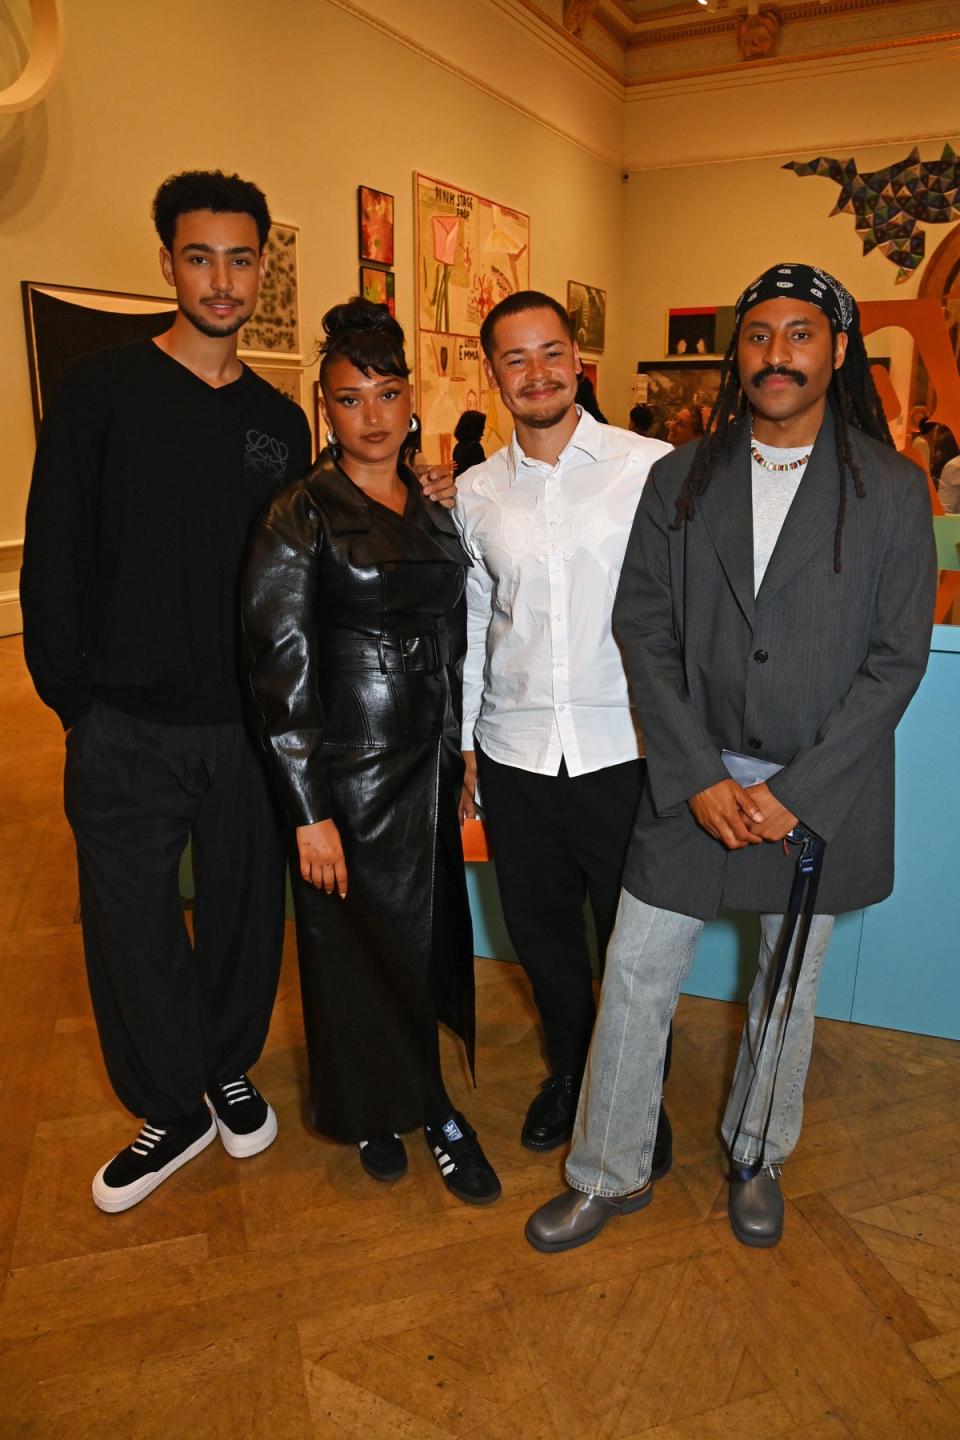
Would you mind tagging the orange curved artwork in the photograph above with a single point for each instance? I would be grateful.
(924, 322)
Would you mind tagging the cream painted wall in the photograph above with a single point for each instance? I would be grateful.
(311, 97)
(697, 234)
(305, 98)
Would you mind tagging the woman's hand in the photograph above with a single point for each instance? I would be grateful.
(468, 802)
(438, 484)
(322, 861)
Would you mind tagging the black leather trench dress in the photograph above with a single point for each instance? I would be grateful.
(355, 632)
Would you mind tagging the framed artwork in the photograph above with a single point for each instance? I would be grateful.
(471, 252)
(699, 330)
(587, 308)
(275, 329)
(378, 286)
(668, 385)
(375, 225)
(63, 322)
(285, 378)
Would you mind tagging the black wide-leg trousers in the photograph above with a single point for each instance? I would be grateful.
(557, 839)
(175, 1017)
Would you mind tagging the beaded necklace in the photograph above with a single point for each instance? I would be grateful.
(777, 464)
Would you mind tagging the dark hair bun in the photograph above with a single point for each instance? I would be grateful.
(365, 334)
(363, 315)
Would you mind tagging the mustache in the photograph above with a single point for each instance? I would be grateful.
(796, 376)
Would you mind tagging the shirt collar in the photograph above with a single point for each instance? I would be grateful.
(588, 437)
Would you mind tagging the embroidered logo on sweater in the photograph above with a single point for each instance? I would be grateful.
(265, 458)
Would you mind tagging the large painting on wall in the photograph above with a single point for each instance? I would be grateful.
(64, 322)
(275, 328)
(470, 253)
(669, 385)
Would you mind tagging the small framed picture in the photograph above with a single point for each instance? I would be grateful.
(587, 308)
(699, 330)
(375, 224)
(378, 286)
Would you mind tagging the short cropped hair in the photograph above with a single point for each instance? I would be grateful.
(516, 304)
(641, 418)
(208, 190)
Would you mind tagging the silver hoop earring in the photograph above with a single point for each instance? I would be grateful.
(414, 424)
(333, 445)
(331, 439)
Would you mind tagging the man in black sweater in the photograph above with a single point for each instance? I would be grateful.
(152, 462)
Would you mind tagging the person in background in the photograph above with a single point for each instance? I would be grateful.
(949, 487)
(468, 433)
(586, 397)
(547, 723)
(355, 635)
(686, 425)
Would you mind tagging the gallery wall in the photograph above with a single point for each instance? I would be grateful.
(312, 97)
(307, 99)
(729, 221)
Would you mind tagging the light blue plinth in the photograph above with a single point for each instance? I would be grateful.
(896, 964)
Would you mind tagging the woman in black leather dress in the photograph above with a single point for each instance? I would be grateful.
(355, 629)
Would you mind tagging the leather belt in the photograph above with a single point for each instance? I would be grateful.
(422, 654)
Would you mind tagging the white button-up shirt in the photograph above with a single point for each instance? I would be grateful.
(543, 679)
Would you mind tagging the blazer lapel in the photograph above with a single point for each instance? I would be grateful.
(810, 520)
(727, 510)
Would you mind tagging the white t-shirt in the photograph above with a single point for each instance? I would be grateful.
(773, 492)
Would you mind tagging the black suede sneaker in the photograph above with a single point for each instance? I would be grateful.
(384, 1158)
(157, 1151)
(246, 1122)
(466, 1171)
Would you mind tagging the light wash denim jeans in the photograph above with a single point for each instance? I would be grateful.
(648, 958)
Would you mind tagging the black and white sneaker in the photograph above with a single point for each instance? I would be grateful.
(384, 1158)
(466, 1171)
(157, 1151)
(246, 1122)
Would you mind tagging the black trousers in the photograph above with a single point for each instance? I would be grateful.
(173, 1017)
(555, 840)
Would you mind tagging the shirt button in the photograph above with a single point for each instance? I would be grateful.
(556, 617)
(754, 743)
(761, 657)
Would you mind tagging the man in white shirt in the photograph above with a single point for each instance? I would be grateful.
(547, 721)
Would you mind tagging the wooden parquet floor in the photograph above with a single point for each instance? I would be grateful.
(288, 1297)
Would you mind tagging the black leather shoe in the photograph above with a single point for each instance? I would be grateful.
(662, 1147)
(755, 1206)
(549, 1121)
(575, 1218)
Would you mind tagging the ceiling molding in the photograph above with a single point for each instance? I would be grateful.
(776, 68)
(590, 69)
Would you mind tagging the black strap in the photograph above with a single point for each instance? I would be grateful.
(800, 912)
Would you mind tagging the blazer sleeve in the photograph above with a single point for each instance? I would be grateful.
(682, 759)
(822, 781)
(280, 614)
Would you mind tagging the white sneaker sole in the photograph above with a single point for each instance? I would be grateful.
(114, 1198)
(241, 1147)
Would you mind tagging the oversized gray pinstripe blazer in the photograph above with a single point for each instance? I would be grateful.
(814, 673)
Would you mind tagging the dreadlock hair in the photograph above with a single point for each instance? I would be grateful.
(853, 401)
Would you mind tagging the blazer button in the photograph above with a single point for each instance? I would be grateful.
(761, 657)
(754, 743)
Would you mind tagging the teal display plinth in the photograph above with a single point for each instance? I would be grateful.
(896, 964)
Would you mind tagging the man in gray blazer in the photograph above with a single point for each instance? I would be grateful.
(774, 612)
